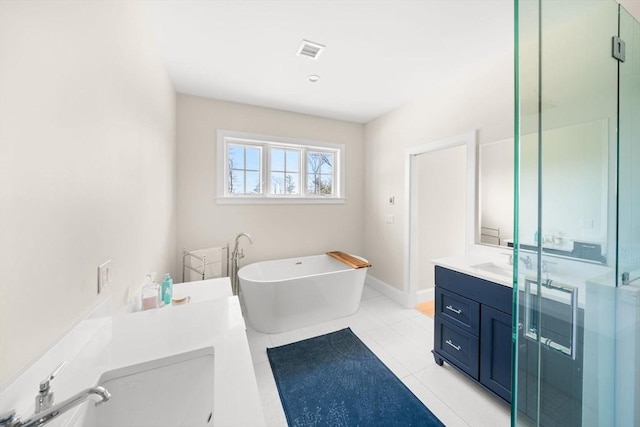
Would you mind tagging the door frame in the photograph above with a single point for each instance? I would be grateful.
(410, 285)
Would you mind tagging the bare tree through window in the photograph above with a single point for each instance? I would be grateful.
(255, 168)
(243, 169)
(320, 173)
(285, 170)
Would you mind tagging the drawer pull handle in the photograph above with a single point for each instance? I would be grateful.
(457, 347)
(456, 311)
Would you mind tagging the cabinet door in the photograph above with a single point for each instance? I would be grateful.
(495, 351)
(457, 347)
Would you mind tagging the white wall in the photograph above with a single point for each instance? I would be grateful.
(442, 209)
(480, 99)
(278, 231)
(87, 165)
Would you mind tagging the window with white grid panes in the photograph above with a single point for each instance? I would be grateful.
(320, 172)
(278, 170)
(284, 171)
(244, 166)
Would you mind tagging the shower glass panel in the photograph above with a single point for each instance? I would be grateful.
(577, 203)
(629, 147)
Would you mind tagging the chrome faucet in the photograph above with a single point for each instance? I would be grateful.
(41, 418)
(45, 410)
(509, 256)
(44, 398)
(235, 256)
(528, 263)
(546, 266)
(239, 255)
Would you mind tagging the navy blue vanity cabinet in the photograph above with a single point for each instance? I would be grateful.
(457, 322)
(473, 328)
(495, 360)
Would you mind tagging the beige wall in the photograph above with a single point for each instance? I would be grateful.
(480, 99)
(278, 231)
(87, 164)
(442, 209)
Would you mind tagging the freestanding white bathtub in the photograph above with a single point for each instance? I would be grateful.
(287, 294)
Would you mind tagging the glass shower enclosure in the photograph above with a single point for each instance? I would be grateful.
(576, 330)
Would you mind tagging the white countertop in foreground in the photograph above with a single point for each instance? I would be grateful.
(212, 319)
(149, 335)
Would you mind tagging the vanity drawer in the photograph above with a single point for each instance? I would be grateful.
(458, 347)
(460, 311)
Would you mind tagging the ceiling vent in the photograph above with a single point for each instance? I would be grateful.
(310, 49)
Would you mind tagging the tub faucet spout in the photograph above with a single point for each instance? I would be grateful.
(241, 235)
(235, 256)
(238, 255)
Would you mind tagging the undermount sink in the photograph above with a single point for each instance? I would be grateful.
(494, 268)
(172, 391)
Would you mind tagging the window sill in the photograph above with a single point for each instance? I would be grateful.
(280, 201)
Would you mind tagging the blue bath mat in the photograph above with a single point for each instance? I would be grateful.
(335, 380)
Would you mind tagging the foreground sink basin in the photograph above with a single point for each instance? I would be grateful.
(172, 391)
(491, 267)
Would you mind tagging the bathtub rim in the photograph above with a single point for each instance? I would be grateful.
(347, 268)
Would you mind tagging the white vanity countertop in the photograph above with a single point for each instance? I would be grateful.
(212, 319)
(574, 274)
(465, 264)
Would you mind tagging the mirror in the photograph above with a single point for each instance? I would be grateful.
(580, 152)
(495, 199)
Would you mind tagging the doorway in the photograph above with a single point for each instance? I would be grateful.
(440, 186)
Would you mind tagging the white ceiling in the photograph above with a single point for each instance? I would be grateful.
(379, 54)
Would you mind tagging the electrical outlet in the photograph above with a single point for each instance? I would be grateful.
(104, 276)
(389, 219)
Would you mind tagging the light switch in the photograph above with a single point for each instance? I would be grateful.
(104, 276)
(389, 219)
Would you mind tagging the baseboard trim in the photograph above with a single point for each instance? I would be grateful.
(426, 295)
(387, 290)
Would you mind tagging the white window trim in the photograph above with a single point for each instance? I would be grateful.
(222, 197)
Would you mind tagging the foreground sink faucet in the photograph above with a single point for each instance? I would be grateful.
(11, 420)
(45, 410)
(44, 398)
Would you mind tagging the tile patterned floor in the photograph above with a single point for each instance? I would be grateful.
(403, 340)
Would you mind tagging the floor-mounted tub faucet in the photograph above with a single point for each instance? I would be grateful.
(235, 256)
(239, 255)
